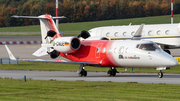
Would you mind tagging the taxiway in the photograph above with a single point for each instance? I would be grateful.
(92, 76)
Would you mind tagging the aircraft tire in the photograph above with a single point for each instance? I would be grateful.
(84, 73)
(80, 74)
(109, 73)
(160, 74)
(113, 73)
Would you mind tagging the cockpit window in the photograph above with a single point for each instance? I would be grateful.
(148, 47)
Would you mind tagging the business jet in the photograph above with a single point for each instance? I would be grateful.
(87, 51)
(165, 35)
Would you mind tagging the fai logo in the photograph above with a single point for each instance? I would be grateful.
(121, 57)
(128, 57)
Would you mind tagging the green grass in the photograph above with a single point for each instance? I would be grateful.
(70, 67)
(79, 26)
(35, 90)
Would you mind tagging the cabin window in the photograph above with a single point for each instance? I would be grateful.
(104, 50)
(158, 32)
(121, 50)
(126, 50)
(97, 51)
(133, 33)
(116, 34)
(124, 34)
(115, 50)
(108, 34)
(167, 32)
(109, 50)
(150, 33)
(148, 47)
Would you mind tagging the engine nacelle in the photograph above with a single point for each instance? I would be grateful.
(66, 44)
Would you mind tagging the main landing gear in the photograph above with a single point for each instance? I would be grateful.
(81, 71)
(112, 72)
(160, 74)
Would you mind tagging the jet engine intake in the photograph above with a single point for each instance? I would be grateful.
(66, 44)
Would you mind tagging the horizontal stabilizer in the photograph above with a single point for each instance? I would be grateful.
(59, 17)
(47, 45)
(41, 52)
(37, 17)
(31, 17)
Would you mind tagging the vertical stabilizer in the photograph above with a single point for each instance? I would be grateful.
(138, 34)
(48, 28)
(48, 25)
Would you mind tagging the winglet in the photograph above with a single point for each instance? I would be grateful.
(138, 34)
(11, 56)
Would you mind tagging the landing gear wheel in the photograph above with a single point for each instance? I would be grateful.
(112, 72)
(83, 73)
(160, 74)
(109, 73)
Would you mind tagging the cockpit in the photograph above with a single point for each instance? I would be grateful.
(147, 47)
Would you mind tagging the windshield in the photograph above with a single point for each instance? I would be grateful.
(148, 47)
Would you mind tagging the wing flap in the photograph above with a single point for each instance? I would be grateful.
(58, 61)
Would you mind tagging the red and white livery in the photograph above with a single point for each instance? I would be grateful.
(100, 52)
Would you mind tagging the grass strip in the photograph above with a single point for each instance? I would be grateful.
(79, 26)
(36, 90)
(69, 67)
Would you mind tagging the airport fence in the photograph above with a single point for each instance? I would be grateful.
(6, 60)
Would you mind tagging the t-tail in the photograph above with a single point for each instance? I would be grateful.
(52, 41)
(49, 31)
(48, 27)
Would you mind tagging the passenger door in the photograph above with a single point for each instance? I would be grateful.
(98, 48)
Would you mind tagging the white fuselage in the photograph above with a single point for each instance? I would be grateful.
(131, 54)
(162, 34)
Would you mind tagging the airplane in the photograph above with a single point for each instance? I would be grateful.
(87, 51)
(165, 35)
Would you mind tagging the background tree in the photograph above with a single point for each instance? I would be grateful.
(82, 10)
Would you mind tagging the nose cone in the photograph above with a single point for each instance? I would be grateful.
(169, 61)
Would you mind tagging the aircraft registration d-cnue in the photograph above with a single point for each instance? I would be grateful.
(86, 51)
(165, 35)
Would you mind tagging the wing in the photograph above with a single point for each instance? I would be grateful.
(11, 56)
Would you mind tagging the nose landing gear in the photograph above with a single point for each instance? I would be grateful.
(160, 74)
